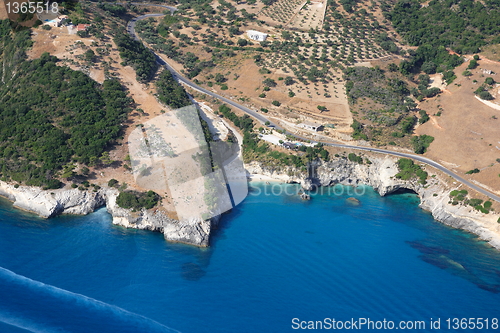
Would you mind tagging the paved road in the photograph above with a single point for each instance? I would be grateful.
(262, 119)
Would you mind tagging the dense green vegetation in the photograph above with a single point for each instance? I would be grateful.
(245, 123)
(137, 200)
(408, 170)
(170, 92)
(52, 115)
(135, 54)
(463, 26)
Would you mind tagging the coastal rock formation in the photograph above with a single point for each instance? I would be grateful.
(380, 174)
(73, 201)
(52, 202)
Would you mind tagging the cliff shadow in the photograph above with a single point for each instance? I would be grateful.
(402, 190)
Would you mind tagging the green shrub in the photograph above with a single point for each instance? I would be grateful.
(137, 200)
(269, 82)
(354, 158)
(475, 202)
(421, 143)
(476, 170)
(485, 95)
(490, 81)
(112, 182)
(408, 169)
(472, 64)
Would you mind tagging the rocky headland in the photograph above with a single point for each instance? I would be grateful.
(50, 203)
(380, 174)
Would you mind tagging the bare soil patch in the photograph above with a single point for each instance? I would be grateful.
(466, 133)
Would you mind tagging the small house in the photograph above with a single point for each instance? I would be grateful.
(82, 27)
(289, 145)
(311, 126)
(256, 35)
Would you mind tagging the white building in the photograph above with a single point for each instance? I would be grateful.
(311, 126)
(256, 35)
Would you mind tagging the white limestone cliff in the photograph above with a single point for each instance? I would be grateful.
(434, 196)
(49, 203)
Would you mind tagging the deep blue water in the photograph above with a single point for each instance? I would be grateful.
(274, 258)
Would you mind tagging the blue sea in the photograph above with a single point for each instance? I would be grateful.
(276, 263)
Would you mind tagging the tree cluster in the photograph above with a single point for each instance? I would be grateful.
(170, 92)
(463, 26)
(135, 54)
(137, 200)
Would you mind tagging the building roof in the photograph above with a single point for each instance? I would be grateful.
(255, 32)
(256, 35)
(82, 27)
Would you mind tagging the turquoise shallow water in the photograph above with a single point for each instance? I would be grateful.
(274, 258)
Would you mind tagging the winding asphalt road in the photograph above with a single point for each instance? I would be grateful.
(181, 79)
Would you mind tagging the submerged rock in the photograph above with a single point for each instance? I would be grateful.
(381, 176)
(353, 200)
(305, 196)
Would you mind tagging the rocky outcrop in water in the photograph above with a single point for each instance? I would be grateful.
(380, 174)
(73, 201)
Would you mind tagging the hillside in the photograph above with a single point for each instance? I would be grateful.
(52, 115)
(296, 69)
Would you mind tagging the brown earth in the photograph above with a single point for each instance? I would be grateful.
(246, 86)
(3, 11)
(310, 16)
(466, 134)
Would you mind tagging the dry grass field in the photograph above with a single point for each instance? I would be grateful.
(281, 12)
(3, 11)
(310, 16)
(466, 132)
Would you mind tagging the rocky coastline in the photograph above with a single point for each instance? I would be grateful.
(380, 174)
(51, 203)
